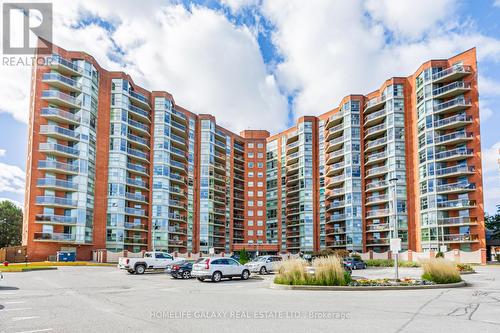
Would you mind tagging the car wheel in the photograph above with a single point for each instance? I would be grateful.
(185, 275)
(263, 270)
(140, 269)
(354, 267)
(364, 266)
(245, 275)
(130, 271)
(216, 277)
(201, 279)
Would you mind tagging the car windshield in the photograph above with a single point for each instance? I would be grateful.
(200, 260)
(260, 259)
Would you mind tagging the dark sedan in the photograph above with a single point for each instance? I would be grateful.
(354, 263)
(181, 271)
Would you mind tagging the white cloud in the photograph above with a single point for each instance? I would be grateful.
(11, 178)
(491, 177)
(496, 3)
(489, 86)
(410, 18)
(206, 62)
(236, 5)
(2, 152)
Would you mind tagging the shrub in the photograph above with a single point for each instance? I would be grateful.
(390, 263)
(440, 271)
(439, 255)
(323, 253)
(244, 257)
(292, 272)
(341, 253)
(356, 256)
(329, 271)
(497, 257)
(464, 268)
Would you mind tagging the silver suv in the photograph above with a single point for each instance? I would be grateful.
(264, 264)
(218, 268)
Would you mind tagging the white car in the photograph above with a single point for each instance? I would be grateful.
(218, 268)
(150, 261)
(264, 264)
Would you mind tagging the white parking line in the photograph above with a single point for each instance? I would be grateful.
(42, 330)
(24, 318)
(17, 309)
(20, 302)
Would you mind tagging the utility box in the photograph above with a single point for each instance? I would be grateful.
(66, 256)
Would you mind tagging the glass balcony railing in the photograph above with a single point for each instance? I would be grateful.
(53, 236)
(57, 183)
(62, 79)
(54, 165)
(59, 131)
(179, 126)
(375, 115)
(138, 153)
(376, 156)
(47, 147)
(459, 152)
(67, 99)
(57, 60)
(375, 129)
(451, 70)
(56, 219)
(460, 118)
(460, 238)
(135, 196)
(371, 144)
(378, 227)
(456, 102)
(58, 201)
(135, 211)
(138, 139)
(376, 171)
(138, 96)
(138, 168)
(138, 125)
(456, 187)
(460, 203)
(450, 87)
(377, 212)
(453, 137)
(458, 169)
(377, 184)
(138, 111)
(178, 138)
(456, 221)
(177, 164)
(136, 182)
(377, 198)
(175, 216)
(58, 114)
(178, 151)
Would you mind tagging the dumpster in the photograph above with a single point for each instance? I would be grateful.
(66, 256)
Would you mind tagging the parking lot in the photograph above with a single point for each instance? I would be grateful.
(105, 299)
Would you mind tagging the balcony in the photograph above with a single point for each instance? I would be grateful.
(452, 89)
(334, 132)
(376, 157)
(135, 153)
(376, 199)
(292, 158)
(453, 155)
(61, 82)
(378, 242)
(58, 150)
(52, 201)
(375, 118)
(335, 192)
(175, 177)
(373, 131)
(337, 180)
(177, 217)
(460, 187)
(336, 231)
(54, 237)
(138, 169)
(454, 105)
(60, 116)
(58, 167)
(337, 243)
(135, 241)
(460, 238)
(138, 197)
(136, 183)
(374, 104)
(60, 98)
(177, 191)
(143, 114)
(58, 132)
(135, 226)
(372, 145)
(377, 213)
(292, 147)
(376, 171)
(138, 126)
(454, 171)
(139, 99)
(333, 205)
(179, 153)
(459, 120)
(334, 169)
(334, 144)
(177, 230)
(57, 184)
(453, 138)
(456, 221)
(377, 185)
(451, 74)
(179, 116)
(337, 218)
(135, 212)
(137, 140)
(64, 66)
(334, 157)
(55, 219)
(335, 119)
(455, 204)
(382, 227)
(177, 204)
(178, 166)
(179, 128)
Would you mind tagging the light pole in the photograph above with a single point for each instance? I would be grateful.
(394, 182)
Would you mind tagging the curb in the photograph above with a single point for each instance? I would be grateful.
(24, 269)
(465, 273)
(367, 288)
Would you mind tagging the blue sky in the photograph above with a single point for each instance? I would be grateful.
(262, 63)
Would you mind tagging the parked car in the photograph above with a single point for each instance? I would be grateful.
(182, 270)
(354, 263)
(264, 264)
(218, 268)
(150, 261)
(168, 268)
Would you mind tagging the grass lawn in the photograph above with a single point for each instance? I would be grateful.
(22, 267)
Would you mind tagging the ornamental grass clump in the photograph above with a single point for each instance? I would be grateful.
(292, 272)
(329, 271)
(440, 271)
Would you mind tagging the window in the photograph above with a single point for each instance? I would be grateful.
(250, 223)
(250, 174)
(260, 165)
(250, 193)
(250, 232)
(260, 155)
(259, 233)
(260, 174)
(250, 213)
(260, 223)
(260, 184)
(250, 145)
(250, 203)
(250, 165)
(250, 155)
(260, 145)
(260, 203)
(259, 193)
(250, 184)
(260, 213)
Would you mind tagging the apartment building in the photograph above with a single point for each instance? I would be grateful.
(114, 166)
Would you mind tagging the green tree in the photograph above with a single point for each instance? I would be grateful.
(492, 222)
(11, 224)
(244, 257)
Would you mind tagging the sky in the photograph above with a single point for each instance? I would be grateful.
(261, 64)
